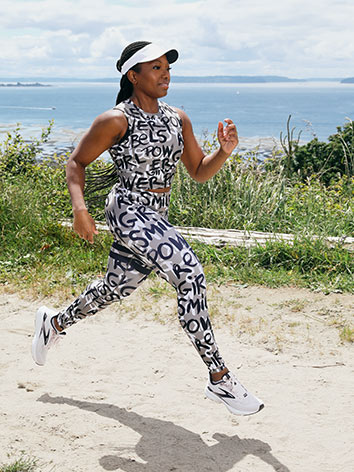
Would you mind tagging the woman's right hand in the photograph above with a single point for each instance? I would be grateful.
(84, 225)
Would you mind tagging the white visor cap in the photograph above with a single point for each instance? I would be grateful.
(149, 53)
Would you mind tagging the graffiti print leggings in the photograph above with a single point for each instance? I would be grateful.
(145, 241)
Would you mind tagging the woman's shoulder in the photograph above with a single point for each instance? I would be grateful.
(111, 115)
(111, 122)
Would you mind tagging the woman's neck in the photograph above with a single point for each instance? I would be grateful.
(148, 104)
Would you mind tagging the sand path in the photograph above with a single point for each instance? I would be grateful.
(123, 391)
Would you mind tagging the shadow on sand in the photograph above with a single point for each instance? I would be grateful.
(165, 447)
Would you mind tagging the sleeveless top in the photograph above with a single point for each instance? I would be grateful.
(147, 155)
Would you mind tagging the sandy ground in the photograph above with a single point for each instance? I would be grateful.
(123, 391)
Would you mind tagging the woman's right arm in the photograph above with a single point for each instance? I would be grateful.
(104, 132)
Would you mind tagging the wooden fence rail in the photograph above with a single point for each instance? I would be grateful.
(234, 237)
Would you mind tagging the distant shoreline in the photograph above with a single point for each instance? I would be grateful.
(239, 79)
(24, 84)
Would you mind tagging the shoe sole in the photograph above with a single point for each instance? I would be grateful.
(215, 398)
(37, 330)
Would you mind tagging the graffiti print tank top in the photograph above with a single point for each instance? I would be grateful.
(147, 156)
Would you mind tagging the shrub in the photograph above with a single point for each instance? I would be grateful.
(18, 156)
(326, 161)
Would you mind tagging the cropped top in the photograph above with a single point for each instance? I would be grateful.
(147, 155)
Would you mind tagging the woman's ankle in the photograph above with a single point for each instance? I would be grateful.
(216, 376)
(56, 324)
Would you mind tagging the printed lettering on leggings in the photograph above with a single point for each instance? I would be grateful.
(145, 241)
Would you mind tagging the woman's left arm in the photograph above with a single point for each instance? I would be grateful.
(202, 167)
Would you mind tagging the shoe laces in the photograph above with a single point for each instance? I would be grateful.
(234, 385)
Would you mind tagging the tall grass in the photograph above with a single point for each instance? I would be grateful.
(244, 195)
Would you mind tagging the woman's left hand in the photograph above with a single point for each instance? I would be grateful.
(227, 136)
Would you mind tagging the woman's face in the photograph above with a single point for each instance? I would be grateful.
(153, 78)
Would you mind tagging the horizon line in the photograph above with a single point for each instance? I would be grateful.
(17, 77)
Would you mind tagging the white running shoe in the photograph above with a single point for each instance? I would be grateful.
(233, 395)
(45, 335)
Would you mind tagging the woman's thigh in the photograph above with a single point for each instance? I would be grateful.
(155, 242)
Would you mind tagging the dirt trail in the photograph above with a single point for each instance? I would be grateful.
(123, 390)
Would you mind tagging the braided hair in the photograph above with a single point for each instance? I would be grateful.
(126, 87)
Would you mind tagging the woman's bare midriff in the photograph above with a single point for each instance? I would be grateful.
(160, 190)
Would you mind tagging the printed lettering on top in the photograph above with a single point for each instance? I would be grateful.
(176, 156)
(119, 148)
(155, 165)
(152, 181)
(133, 111)
(166, 165)
(174, 121)
(147, 159)
(153, 138)
(142, 125)
(154, 125)
(143, 139)
(140, 159)
(153, 151)
(155, 172)
(167, 151)
(141, 183)
(125, 163)
(134, 140)
(180, 139)
(162, 136)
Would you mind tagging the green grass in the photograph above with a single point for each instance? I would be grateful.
(243, 195)
(347, 334)
(20, 465)
(306, 263)
(39, 254)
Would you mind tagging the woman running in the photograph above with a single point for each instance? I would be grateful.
(146, 138)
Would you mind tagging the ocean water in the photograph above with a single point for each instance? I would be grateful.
(259, 110)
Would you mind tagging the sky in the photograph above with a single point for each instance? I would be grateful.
(84, 38)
